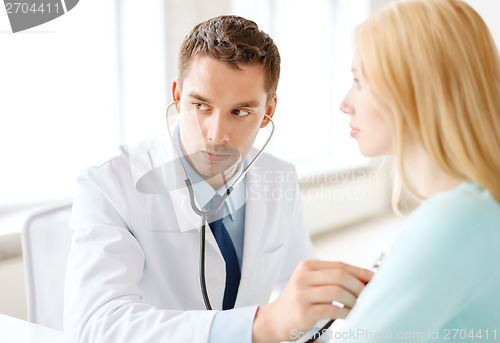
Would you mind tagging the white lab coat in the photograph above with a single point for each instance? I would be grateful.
(133, 268)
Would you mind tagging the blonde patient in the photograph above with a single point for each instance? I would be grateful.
(427, 91)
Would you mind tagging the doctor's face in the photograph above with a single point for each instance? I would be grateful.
(368, 126)
(222, 110)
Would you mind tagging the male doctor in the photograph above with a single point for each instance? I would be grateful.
(132, 272)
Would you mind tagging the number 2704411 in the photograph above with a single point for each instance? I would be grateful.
(25, 8)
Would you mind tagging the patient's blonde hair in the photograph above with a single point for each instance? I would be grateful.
(436, 67)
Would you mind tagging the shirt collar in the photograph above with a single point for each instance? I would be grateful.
(203, 192)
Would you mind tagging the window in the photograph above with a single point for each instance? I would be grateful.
(314, 38)
(76, 88)
(59, 102)
(73, 90)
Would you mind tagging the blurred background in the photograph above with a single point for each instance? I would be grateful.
(75, 89)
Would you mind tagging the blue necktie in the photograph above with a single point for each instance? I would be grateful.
(233, 274)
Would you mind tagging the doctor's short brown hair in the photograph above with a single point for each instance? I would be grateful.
(233, 40)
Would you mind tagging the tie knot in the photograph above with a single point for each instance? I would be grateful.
(221, 213)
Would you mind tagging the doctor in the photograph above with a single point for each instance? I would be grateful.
(132, 272)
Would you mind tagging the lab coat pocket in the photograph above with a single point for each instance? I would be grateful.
(270, 265)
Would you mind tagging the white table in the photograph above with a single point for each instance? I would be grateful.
(20, 331)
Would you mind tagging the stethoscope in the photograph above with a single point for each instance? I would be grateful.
(204, 214)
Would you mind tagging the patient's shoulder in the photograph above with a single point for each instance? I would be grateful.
(462, 224)
(468, 206)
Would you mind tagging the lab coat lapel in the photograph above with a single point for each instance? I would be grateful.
(255, 218)
(156, 169)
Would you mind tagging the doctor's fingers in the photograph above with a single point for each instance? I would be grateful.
(332, 277)
(328, 294)
(362, 274)
(323, 311)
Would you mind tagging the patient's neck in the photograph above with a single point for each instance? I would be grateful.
(429, 178)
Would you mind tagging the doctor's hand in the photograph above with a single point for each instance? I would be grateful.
(307, 298)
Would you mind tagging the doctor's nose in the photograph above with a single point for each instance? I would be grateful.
(217, 129)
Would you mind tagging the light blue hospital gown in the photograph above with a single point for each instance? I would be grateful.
(440, 280)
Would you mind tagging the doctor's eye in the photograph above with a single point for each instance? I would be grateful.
(240, 113)
(201, 107)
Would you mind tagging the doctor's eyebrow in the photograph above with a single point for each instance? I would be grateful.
(248, 104)
(197, 96)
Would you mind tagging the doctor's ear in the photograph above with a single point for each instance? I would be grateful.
(265, 121)
(176, 89)
(271, 107)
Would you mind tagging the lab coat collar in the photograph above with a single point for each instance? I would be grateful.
(156, 169)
